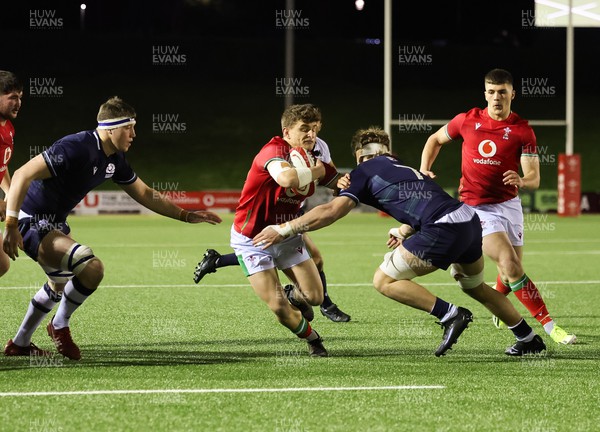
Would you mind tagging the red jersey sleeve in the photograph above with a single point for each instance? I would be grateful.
(529, 142)
(453, 128)
(272, 151)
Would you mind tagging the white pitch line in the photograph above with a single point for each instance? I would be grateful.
(220, 390)
(364, 284)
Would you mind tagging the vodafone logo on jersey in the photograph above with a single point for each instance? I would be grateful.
(487, 149)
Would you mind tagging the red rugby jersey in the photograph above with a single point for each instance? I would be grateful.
(489, 149)
(7, 133)
(263, 201)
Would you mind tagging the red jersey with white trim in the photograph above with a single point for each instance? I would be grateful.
(263, 201)
(7, 133)
(490, 148)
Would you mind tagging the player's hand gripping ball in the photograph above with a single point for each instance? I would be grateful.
(302, 158)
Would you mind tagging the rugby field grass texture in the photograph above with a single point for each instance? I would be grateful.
(149, 327)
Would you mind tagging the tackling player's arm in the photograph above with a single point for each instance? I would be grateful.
(151, 199)
(432, 148)
(530, 164)
(35, 169)
(398, 235)
(286, 176)
(319, 217)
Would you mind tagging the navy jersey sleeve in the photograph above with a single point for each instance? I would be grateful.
(64, 155)
(358, 184)
(124, 174)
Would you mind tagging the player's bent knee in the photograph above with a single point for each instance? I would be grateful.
(96, 268)
(396, 267)
(77, 258)
(314, 299)
(466, 282)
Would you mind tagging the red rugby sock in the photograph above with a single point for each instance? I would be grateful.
(528, 294)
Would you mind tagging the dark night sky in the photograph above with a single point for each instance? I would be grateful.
(454, 20)
(234, 55)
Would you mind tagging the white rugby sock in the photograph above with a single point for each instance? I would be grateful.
(41, 304)
(74, 295)
(549, 326)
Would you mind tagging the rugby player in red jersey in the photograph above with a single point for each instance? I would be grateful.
(11, 92)
(272, 194)
(495, 142)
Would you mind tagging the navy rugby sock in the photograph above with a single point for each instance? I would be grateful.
(443, 310)
(522, 331)
(227, 260)
(326, 300)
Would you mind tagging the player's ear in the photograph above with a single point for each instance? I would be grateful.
(286, 132)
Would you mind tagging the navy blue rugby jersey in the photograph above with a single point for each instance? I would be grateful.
(400, 191)
(77, 164)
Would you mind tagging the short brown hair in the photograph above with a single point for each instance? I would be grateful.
(9, 82)
(373, 134)
(308, 113)
(113, 108)
(498, 76)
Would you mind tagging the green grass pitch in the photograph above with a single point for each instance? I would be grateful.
(149, 327)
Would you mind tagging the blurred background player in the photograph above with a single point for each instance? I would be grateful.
(43, 193)
(11, 92)
(442, 233)
(272, 193)
(213, 260)
(495, 142)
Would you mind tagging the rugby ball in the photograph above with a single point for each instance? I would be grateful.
(302, 158)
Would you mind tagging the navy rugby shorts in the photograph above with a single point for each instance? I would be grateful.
(442, 244)
(33, 230)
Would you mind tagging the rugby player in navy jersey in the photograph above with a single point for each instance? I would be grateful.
(44, 191)
(440, 232)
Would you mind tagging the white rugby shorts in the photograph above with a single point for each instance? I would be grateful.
(284, 255)
(502, 217)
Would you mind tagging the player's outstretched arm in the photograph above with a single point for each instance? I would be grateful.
(431, 150)
(35, 169)
(398, 235)
(319, 217)
(151, 199)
